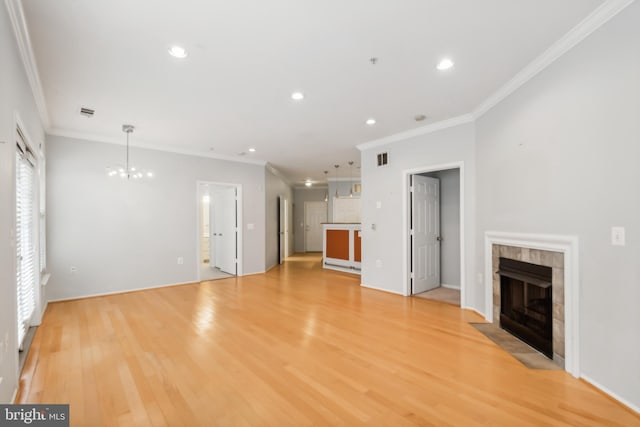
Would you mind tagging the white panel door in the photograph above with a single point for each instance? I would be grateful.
(224, 220)
(212, 232)
(281, 228)
(315, 213)
(425, 251)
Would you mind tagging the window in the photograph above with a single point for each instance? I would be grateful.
(25, 236)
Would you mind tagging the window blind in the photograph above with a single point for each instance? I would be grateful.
(25, 241)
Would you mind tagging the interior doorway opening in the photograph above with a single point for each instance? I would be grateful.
(283, 229)
(435, 234)
(219, 234)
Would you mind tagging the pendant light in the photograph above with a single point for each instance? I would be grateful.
(351, 179)
(127, 171)
(326, 193)
(337, 195)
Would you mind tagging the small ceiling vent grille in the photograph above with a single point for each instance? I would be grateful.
(383, 159)
(87, 112)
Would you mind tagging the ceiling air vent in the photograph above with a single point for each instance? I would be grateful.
(87, 112)
(383, 158)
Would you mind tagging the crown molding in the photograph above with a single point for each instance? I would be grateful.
(23, 41)
(342, 179)
(313, 187)
(423, 130)
(582, 30)
(279, 174)
(141, 144)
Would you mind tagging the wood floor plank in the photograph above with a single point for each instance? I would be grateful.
(297, 346)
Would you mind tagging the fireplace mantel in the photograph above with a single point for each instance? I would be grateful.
(568, 245)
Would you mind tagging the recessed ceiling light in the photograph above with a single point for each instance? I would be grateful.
(444, 64)
(371, 121)
(308, 183)
(178, 52)
(252, 150)
(297, 96)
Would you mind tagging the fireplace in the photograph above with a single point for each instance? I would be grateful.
(560, 253)
(526, 302)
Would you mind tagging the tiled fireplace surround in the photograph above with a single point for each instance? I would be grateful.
(560, 252)
(555, 260)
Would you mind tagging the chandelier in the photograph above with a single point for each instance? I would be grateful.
(127, 171)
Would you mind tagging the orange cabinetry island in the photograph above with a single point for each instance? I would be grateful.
(341, 247)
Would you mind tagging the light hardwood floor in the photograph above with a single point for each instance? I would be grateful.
(298, 346)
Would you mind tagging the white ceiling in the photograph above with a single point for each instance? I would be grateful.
(246, 57)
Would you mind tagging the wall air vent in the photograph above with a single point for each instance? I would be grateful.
(87, 112)
(383, 158)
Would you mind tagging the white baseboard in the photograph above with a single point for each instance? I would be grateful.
(475, 310)
(381, 289)
(612, 394)
(124, 291)
(456, 287)
(253, 273)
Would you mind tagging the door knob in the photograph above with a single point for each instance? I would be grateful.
(439, 239)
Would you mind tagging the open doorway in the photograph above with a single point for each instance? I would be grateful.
(435, 234)
(283, 229)
(219, 235)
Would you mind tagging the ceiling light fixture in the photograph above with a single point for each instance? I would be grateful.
(351, 179)
(297, 96)
(178, 52)
(308, 183)
(371, 121)
(337, 194)
(252, 150)
(326, 193)
(420, 117)
(445, 64)
(128, 171)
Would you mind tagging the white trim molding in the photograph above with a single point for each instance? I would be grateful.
(423, 130)
(23, 41)
(595, 20)
(406, 226)
(568, 245)
(604, 389)
(600, 16)
(140, 144)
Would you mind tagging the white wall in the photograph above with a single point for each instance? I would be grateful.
(123, 235)
(301, 195)
(386, 184)
(276, 187)
(560, 156)
(449, 225)
(16, 97)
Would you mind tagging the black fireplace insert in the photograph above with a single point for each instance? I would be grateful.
(526, 303)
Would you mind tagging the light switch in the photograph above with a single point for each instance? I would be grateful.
(617, 236)
(378, 205)
(250, 226)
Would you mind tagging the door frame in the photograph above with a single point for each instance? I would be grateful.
(304, 222)
(406, 224)
(239, 224)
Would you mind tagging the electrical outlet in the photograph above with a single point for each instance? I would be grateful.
(617, 236)
(73, 269)
(180, 260)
